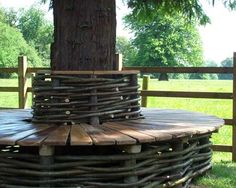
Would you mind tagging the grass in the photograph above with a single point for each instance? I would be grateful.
(224, 171)
(10, 100)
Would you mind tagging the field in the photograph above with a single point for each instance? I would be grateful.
(224, 171)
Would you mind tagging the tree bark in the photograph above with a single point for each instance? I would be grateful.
(84, 35)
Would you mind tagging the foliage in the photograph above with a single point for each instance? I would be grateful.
(12, 44)
(124, 47)
(2, 18)
(228, 62)
(36, 30)
(191, 9)
(166, 41)
(143, 9)
(210, 63)
(11, 16)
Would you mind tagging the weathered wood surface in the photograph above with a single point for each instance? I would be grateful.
(158, 125)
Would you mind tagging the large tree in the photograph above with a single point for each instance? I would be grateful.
(166, 41)
(84, 37)
(85, 34)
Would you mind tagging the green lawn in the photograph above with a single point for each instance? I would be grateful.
(224, 171)
(10, 100)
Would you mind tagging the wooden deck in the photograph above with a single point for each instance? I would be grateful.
(158, 125)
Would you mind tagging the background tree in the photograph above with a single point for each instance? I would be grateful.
(11, 16)
(12, 44)
(210, 63)
(128, 51)
(166, 41)
(36, 29)
(228, 62)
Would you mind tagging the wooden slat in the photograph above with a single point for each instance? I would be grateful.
(222, 148)
(8, 70)
(103, 135)
(36, 139)
(223, 70)
(59, 136)
(98, 136)
(14, 127)
(15, 114)
(78, 136)
(159, 132)
(9, 89)
(131, 132)
(183, 94)
(18, 135)
(171, 130)
(158, 125)
(34, 70)
(121, 139)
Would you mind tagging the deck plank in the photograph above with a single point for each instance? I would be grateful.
(131, 132)
(36, 139)
(12, 139)
(79, 136)
(59, 136)
(121, 139)
(98, 136)
(162, 130)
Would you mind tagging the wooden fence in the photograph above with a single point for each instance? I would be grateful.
(23, 71)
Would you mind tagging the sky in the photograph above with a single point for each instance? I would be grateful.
(218, 38)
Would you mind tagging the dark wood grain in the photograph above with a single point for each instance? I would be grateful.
(130, 131)
(59, 136)
(18, 134)
(79, 136)
(98, 136)
(36, 139)
(158, 125)
(120, 138)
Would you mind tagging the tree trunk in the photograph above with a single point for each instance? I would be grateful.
(84, 36)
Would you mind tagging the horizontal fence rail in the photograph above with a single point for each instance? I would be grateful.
(23, 71)
(183, 94)
(216, 70)
(8, 70)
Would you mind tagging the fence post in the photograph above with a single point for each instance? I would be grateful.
(234, 110)
(22, 68)
(118, 65)
(145, 87)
